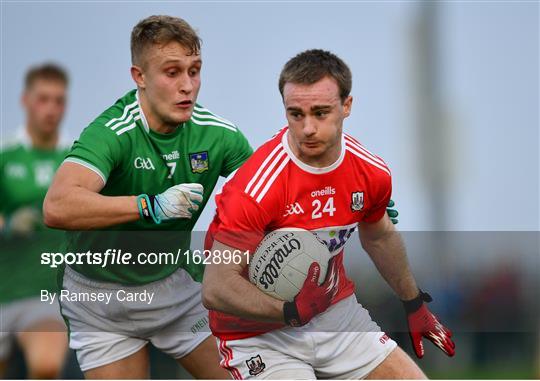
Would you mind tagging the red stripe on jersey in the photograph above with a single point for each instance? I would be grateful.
(362, 156)
(353, 142)
(225, 359)
(229, 356)
(223, 354)
(235, 370)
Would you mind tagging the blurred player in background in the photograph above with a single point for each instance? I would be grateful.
(26, 171)
(312, 176)
(146, 165)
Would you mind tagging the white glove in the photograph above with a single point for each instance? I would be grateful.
(179, 201)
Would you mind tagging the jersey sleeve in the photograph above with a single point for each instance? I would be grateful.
(243, 221)
(97, 149)
(237, 151)
(382, 192)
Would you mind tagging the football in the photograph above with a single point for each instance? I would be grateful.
(281, 262)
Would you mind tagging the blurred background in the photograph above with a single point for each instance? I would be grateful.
(446, 92)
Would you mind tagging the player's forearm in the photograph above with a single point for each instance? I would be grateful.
(235, 295)
(226, 290)
(389, 255)
(77, 208)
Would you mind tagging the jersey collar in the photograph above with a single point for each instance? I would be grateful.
(22, 137)
(309, 168)
(141, 113)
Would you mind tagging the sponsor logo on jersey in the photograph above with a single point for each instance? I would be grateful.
(324, 192)
(142, 163)
(43, 173)
(255, 365)
(17, 170)
(335, 238)
(293, 209)
(357, 203)
(199, 162)
(174, 155)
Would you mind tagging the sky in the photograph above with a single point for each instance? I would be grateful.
(487, 76)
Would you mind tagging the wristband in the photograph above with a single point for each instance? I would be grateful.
(290, 314)
(414, 305)
(144, 203)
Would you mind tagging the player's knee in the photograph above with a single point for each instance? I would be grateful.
(44, 367)
(44, 372)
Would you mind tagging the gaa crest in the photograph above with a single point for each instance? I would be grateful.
(199, 162)
(255, 365)
(357, 202)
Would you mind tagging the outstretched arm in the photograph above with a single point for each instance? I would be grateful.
(73, 201)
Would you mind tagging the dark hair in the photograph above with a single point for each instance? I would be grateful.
(162, 30)
(47, 71)
(313, 65)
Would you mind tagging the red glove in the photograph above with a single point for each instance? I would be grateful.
(312, 298)
(423, 323)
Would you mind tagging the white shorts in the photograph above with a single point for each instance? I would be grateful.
(341, 343)
(175, 321)
(20, 316)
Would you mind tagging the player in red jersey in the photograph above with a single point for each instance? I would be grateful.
(312, 176)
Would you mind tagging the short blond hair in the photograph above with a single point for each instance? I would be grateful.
(160, 30)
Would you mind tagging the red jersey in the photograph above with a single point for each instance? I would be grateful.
(274, 189)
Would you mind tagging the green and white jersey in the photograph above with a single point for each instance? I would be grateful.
(25, 176)
(132, 159)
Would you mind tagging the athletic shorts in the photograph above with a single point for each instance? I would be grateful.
(20, 316)
(341, 343)
(102, 332)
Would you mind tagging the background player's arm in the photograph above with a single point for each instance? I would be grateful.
(385, 246)
(73, 201)
(225, 290)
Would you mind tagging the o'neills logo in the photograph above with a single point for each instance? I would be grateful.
(174, 155)
(271, 270)
(324, 192)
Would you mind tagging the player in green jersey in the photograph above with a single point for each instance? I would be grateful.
(27, 167)
(138, 178)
